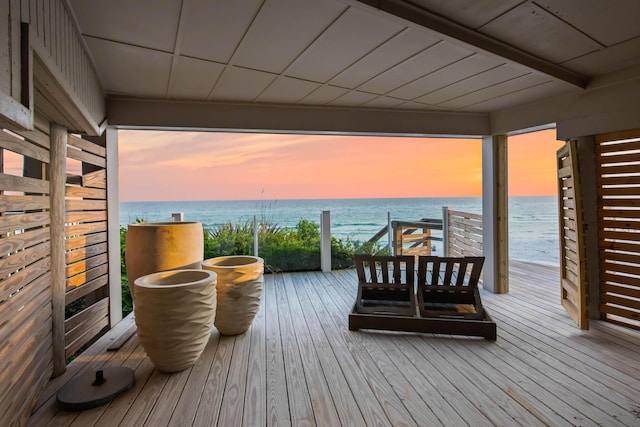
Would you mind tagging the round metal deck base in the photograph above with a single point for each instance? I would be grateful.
(95, 388)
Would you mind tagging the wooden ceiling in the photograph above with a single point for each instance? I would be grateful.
(452, 55)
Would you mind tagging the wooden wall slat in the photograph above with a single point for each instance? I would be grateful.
(15, 262)
(86, 265)
(10, 203)
(87, 276)
(21, 183)
(82, 241)
(87, 205)
(85, 216)
(89, 158)
(24, 147)
(18, 242)
(23, 278)
(86, 193)
(81, 291)
(86, 252)
(88, 146)
(86, 228)
(18, 222)
(619, 229)
(36, 136)
(97, 179)
(88, 335)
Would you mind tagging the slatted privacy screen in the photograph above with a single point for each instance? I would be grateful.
(26, 363)
(86, 244)
(573, 286)
(618, 158)
(464, 233)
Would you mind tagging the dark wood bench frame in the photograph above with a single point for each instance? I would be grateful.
(424, 319)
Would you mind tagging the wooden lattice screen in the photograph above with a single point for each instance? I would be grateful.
(26, 361)
(464, 233)
(86, 297)
(573, 286)
(618, 158)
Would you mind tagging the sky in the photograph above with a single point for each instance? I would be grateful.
(164, 165)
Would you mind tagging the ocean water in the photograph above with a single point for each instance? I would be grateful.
(533, 223)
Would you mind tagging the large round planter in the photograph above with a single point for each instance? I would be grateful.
(239, 291)
(161, 246)
(173, 313)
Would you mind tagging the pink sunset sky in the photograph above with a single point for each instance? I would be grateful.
(162, 165)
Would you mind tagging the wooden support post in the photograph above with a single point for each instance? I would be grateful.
(113, 232)
(325, 241)
(390, 235)
(58, 178)
(586, 148)
(445, 231)
(495, 219)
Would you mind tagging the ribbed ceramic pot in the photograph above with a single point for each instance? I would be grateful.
(161, 246)
(239, 290)
(174, 312)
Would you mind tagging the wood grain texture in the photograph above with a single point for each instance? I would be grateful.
(549, 373)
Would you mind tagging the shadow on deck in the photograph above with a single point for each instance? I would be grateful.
(300, 365)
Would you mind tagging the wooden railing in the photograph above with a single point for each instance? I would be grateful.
(461, 235)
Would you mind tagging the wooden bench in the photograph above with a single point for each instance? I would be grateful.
(448, 299)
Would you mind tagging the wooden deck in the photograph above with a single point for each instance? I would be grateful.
(300, 365)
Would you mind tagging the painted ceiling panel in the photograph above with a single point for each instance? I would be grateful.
(146, 23)
(437, 56)
(477, 82)
(287, 89)
(537, 31)
(383, 102)
(282, 30)
(130, 70)
(455, 72)
(323, 95)
(615, 58)
(497, 90)
(608, 22)
(350, 38)
(193, 78)
(213, 28)
(394, 51)
(353, 98)
(241, 84)
(470, 13)
(522, 97)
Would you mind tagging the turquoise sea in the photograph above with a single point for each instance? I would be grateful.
(533, 223)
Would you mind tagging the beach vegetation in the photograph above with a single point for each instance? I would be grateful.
(283, 249)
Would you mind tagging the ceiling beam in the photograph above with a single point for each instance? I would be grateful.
(439, 24)
(272, 118)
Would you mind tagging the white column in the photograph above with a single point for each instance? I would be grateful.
(113, 227)
(325, 241)
(390, 236)
(255, 235)
(495, 230)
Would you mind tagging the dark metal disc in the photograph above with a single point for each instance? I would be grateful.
(95, 388)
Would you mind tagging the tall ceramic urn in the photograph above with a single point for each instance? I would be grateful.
(174, 313)
(239, 290)
(160, 246)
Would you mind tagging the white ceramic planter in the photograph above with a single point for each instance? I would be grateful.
(174, 312)
(161, 246)
(239, 290)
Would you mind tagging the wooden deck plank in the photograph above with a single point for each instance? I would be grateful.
(346, 405)
(299, 364)
(323, 407)
(299, 399)
(393, 407)
(255, 398)
(277, 402)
